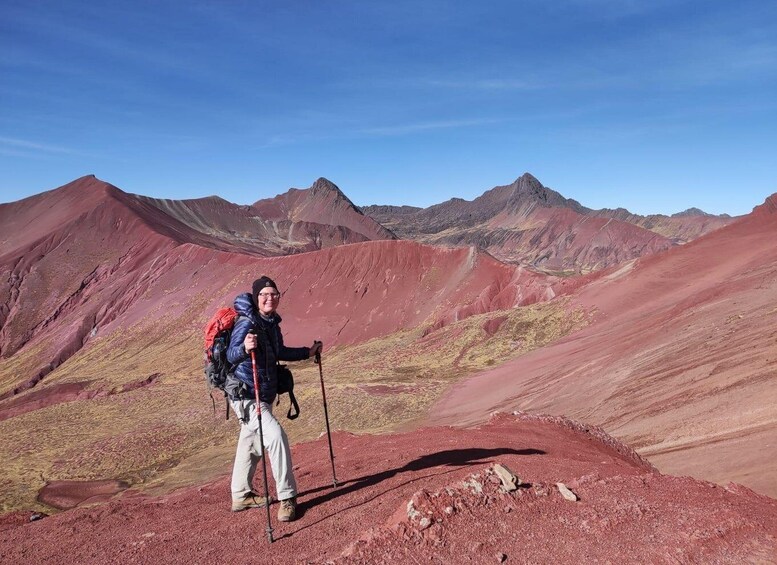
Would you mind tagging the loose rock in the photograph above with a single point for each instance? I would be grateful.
(510, 482)
(566, 493)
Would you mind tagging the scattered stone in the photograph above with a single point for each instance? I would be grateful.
(411, 511)
(501, 557)
(510, 482)
(37, 516)
(566, 493)
(476, 486)
(540, 490)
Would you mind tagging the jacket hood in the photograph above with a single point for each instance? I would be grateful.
(244, 306)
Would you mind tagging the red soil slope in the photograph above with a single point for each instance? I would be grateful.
(430, 496)
(58, 245)
(354, 293)
(680, 362)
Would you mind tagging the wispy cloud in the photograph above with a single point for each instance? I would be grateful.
(9, 143)
(14, 147)
(404, 129)
(488, 84)
(376, 131)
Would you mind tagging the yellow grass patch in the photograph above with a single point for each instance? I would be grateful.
(165, 434)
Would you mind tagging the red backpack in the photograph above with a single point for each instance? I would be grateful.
(217, 334)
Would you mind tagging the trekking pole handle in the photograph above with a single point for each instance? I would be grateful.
(318, 353)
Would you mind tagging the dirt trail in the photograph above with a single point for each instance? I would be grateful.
(625, 508)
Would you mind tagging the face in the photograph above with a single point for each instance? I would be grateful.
(267, 300)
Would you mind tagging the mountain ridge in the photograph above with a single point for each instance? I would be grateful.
(528, 223)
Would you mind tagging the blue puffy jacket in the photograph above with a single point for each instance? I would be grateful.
(268, 330)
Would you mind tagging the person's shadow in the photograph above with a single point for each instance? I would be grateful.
(449, 458)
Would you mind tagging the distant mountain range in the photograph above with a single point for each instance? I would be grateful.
(523, 223)
(527, 223)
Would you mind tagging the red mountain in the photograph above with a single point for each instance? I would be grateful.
(323, 203)
(528, 223)
(63, 245)
(78, 258)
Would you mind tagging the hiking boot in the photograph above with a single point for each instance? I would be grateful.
(288, 510)
(251, 500)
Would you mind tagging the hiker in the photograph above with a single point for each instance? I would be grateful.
(257, 313)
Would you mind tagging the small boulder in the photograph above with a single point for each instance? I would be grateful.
(509, 481)
(566, 493)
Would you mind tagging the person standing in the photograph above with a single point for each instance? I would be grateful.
(257, 328)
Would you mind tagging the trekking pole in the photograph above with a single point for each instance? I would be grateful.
(326, 416)
(261, 440)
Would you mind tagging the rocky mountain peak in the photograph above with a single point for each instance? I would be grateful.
(324, 187)
(690, 212)
(528, 187)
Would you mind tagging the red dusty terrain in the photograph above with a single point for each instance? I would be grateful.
(433, 495)
(680, 362)
(353, 293)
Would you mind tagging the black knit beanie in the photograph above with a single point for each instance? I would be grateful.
(260, 283)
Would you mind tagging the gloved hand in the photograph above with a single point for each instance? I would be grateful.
(250, 342)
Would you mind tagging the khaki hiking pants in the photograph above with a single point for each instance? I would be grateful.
(248, 452)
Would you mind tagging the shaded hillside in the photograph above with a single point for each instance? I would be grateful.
(64, 245)
(528, 223)
(433, 495)
(680, 362)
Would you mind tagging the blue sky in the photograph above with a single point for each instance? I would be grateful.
(654, 106)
